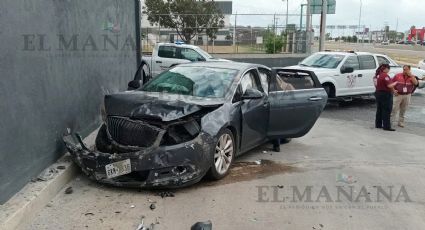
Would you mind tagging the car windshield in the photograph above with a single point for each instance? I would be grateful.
(204, 82)
(330, 61)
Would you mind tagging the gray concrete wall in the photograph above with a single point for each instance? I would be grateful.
(57, 60)
(270, 60)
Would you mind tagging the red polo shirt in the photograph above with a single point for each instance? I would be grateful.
(404, 84)
(382, 82)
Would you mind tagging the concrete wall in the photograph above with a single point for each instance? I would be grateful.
(57, 60)
(270, 60)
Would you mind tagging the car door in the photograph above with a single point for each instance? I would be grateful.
(168, 56)
(296, 101)
(348, 82)
(254, 112)
(365, 74)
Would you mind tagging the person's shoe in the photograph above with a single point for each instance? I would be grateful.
(389, 129)
(378, 127)
(276, 148)
(401, 125)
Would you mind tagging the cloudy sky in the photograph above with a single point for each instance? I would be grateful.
(375, 13)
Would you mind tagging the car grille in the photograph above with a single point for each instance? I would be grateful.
(129, 132)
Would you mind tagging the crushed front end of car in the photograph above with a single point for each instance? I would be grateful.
(151, 144)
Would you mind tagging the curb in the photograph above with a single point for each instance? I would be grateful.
(22, 208)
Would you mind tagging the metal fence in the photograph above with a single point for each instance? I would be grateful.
(241, 33)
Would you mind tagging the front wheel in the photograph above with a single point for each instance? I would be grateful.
(224, 154)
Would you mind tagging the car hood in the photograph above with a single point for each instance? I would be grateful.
(219, 60)
(164, 107)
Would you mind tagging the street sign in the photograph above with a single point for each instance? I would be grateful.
(316, 6)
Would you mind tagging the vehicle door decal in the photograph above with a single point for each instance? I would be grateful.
(351, 80)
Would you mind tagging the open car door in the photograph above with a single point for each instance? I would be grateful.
(296, 100)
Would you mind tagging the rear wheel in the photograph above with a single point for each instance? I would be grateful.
(224, 154)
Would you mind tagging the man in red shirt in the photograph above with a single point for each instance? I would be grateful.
(405, 84)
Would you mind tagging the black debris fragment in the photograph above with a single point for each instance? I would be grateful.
(207, 225)
(166, 194)
(69, 190)
(89, 214)
(152, 206)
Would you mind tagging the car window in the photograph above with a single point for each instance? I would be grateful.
(264, 78)
(167, 52)
(288, 81)
(248, 82)
(367, 62)
(383, 60)
(191, 55)
(353, 62)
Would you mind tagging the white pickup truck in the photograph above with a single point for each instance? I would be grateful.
(168, 55)
(347, 74)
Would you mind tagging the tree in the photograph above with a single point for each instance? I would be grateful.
(187, 17)
(273, 43)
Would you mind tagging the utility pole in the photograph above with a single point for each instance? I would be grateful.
(308, 27)
(323, 25)
(360, 18)
(287, 8)
(301, 18)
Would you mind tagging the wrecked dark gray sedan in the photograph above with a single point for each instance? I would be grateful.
(193, 120)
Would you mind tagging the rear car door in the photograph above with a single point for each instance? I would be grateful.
(296, 100)
(366, 73)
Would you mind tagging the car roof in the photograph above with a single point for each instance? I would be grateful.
(181, 45)
(348, 53)
(241, 66)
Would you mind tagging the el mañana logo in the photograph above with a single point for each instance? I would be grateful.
(333, 194)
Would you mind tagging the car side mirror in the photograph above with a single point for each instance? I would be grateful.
(347, 69)
(133, 85)
(252, 94)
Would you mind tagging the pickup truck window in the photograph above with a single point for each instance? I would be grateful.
(367, 62)
(383, 60)
(167, 52)
(193, 81)
(320, 60)
(191, 55)
(352, 61)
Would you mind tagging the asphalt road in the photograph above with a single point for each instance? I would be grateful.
(362, 112)
(343, 149)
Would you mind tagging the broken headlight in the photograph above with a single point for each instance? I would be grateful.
(180, 133)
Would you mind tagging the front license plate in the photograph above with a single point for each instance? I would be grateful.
(118, 168)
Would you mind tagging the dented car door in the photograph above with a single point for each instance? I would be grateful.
(296, 101)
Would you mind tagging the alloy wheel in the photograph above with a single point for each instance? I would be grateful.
(223, 153)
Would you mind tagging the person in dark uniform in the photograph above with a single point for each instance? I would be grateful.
(384, 97)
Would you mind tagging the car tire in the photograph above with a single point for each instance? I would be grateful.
(102, 143)
(329, 90)
(223, 155)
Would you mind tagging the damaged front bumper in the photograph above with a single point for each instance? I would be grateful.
(163, 166)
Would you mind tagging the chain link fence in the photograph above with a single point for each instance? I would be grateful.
(240, 33)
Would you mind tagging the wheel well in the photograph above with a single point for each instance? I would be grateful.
(235, 135)
(332, 88)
